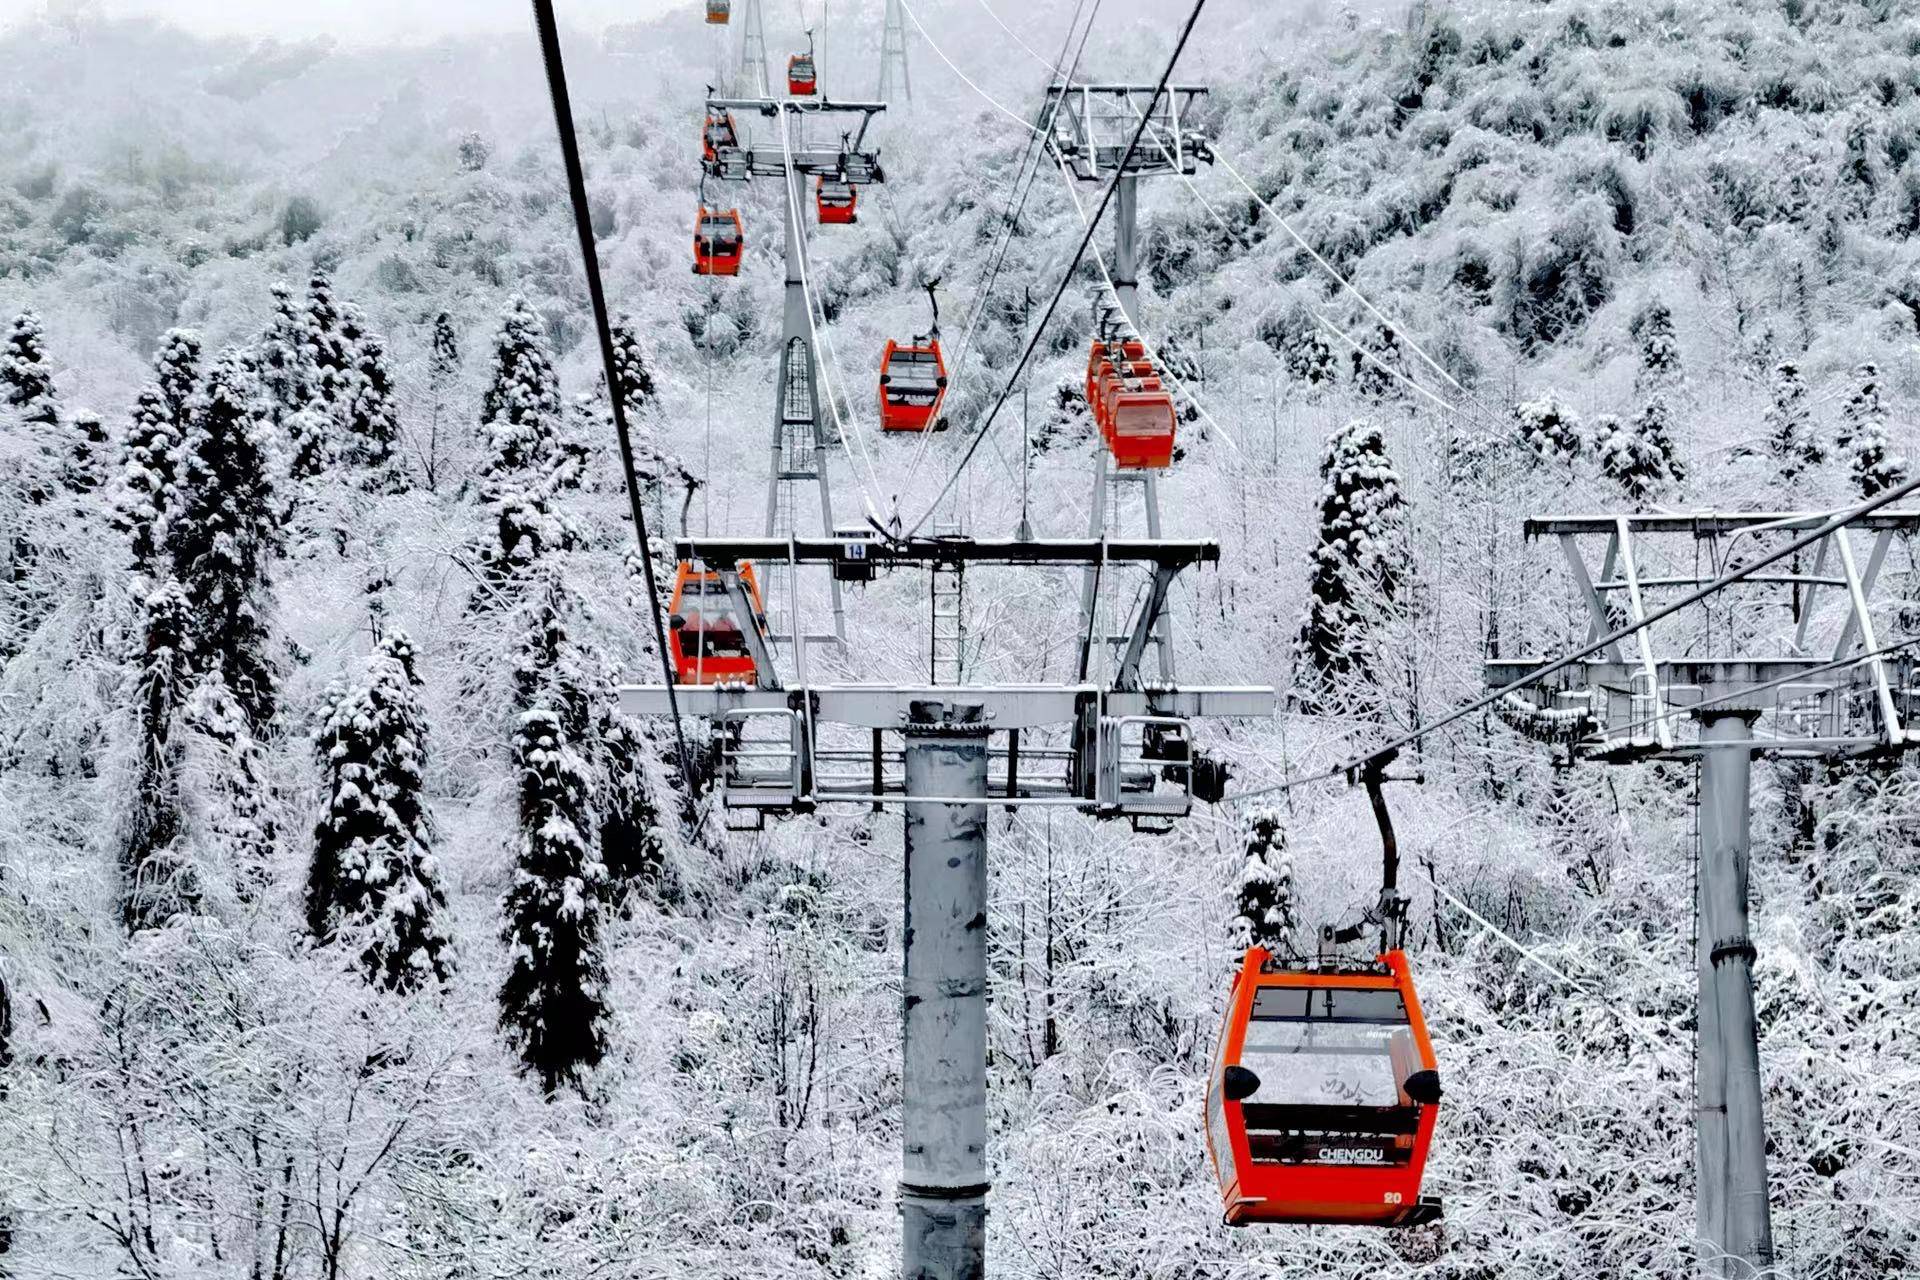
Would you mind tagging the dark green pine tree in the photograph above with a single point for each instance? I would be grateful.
(85, 461)
(1660, 371)
(373, 882)
(176, 372)
(520, 410)
(284, 374)
(222, 535)
(1374, 369)
(371, 416)
(1791, 438)
(554, 1002)
(1871, 463)
(158, 882)
(143, 487)
(1638, 456)
(326, 357)
(1358, 561)
(26, 377)
(1264, 908)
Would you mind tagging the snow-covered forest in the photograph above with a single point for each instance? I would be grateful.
(349, 929)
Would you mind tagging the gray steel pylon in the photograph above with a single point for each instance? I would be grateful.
(893, 49)
(751, 78)
(799, 451)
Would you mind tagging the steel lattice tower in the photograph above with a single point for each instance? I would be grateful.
(893, 49)
(751, 77)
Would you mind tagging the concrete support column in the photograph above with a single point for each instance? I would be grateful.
(943, 1186)
(1736, 1221)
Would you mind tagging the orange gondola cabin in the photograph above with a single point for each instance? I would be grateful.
(1132, 408)
(802, 80)
(834, 201)
(709, 635)
(1323, 1096)
(718, 242)
(913, 381)
(719, 12)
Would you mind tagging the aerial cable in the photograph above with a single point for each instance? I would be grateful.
(1066, 277)
(1016, 203)
(813, 329)
(1839, 520)
(583, 226)
(1051, 67)
(1018, 119)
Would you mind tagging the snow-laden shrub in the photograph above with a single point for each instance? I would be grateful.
(1550, 429)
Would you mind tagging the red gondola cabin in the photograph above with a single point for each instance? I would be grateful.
(718, 242)
(719, 12)
(913, 382)
(1323, 1096)
(802, 80)
(834, 202)
(709, 637)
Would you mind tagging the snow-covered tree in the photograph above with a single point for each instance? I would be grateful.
(143, 487)
(223, 534)
(371, 418)
(1871, 464)
(1638, 455)
(1791, 438)
(232, 793)
(1264, 911)
(285, 375)
(326, 360)
(157, 878)
(373, 881)
(84, 463)
(176, 372)
(520, 410)
(26, 376)
(632, 837)
(1306, 350)
(554, 1003)
(1358, 560)
(1659, 371)
(1375, 367)
(1550, 429)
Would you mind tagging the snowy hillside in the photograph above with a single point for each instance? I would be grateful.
(348, 929)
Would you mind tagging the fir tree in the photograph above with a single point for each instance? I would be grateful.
(1659, 372)
(630, 366)
(1374, 370)
(444, 362)
(158, 882)
(373, 880)
(326, 359)
(143, 489)
(1638, 455)
(632, 839)
(284, 372)
(1549, 429)
(585, 422)
(521, 408)
(1264, 910)
(1360, 556)
(1864, 437)
(222, 536)
(553, 1004)
(26, 377)
(176, 372)
(1791, 438)
(233, 796)
(83, 468)
(372, 418)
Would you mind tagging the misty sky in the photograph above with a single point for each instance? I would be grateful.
(354, 21)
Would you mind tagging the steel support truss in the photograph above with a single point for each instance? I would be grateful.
(1827, 689)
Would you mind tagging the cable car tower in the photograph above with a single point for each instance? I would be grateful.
(1117, 749)
(751, 80)
(1090, 126)
(1695, 686)
(799, 437)
(893, 50)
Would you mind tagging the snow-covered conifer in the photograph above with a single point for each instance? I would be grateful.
(1264, 914)
(143, 486)
(1864, 438)
(373, 880)
(26, 376)
(285, 375)
(520, 410)
(222, 536)
(1659, 371)
(1360, 555)
(554, 1004)
(232, 794)
(1638, 455)
(326, 357)
(1374, 370)
(157, 880)
(176, 372)
(85, 462)
(632, 840)
(1550, 429)
(1308, 352)
(371, 417)
(444, 361)
(1791, 437)
(630, 365)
